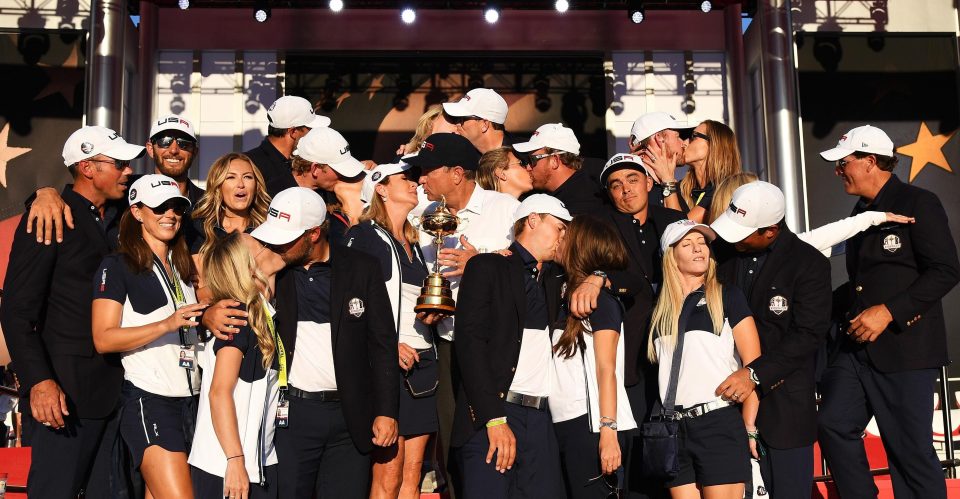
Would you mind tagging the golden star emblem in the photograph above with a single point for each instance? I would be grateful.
(7, 153)
(926, 150)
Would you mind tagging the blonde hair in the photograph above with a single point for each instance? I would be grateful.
(377, 211)
(723, 160)
(491, 163)
(724, 193)
(230, 272)
(424, 129)
(666, 315)
(210, 208)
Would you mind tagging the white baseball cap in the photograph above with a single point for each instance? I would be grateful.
(552, 135)
(377, 175)
(172, 122)
(291, 111)
(866, 138)
(90, 141)
(154, 189)
(292, 212)
(651, 123)
(622, 162)
(327, 147)
(754, 206)
(480, 102)
(542, 203)
(679, 229)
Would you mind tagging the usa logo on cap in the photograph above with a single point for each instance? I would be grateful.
(279, 215)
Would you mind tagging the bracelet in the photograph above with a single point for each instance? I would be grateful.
(755, 434)
(234, 457)
(607, 418)
(496, 422)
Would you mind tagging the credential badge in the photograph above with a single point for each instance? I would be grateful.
(778, 305)
(891, 243)
(355, 307)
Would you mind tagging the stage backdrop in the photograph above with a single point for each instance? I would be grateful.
(905, 84)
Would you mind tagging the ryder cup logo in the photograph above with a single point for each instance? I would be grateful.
(376, 176)
(891, 243)
(355, 307)
(86, 147)
(778, 305)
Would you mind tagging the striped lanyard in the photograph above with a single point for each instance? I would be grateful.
(176, 292)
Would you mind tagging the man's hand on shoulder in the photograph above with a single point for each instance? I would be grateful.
(49, 213)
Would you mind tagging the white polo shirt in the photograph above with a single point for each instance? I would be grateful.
(486, 220)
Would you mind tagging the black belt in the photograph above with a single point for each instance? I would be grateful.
(324, 396)
(526, 400)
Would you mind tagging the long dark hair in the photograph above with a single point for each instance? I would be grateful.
(590, 244)
(139, 256)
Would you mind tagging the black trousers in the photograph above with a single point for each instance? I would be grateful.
(853, 391)
(536, 470)
(580, 458)
(315, 452)
(78, 457)
(446, 406)
(787, 473)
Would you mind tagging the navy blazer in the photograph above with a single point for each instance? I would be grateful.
(790, 301)
(364, 345)
(908, 268)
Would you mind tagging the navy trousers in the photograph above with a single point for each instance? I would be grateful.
(316, 451)
(66, 461)
(536, 471)
(787, 473)
(853, 391)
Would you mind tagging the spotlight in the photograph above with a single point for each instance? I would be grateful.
(184, 4)
(706, 6)
(688, 106)
(562, 6)
(408, 15)
(261, 11)
(336, 5)
(491, 14)
(637, 15)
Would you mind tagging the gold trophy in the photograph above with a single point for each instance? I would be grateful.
(435, 295)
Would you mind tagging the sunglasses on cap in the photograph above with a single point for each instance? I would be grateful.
(177, 205)
(166, 141)
(459, 120)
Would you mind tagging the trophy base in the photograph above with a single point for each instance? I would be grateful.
(436, 296)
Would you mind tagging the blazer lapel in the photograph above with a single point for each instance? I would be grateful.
(338, 281)
(517, 286)
(776, 260)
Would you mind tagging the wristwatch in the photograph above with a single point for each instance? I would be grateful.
(669, 188)
(753, 376)
(609, 424)
(601, 274)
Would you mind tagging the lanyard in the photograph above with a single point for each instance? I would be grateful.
(281, 353)
(700, 198)
(173, 286)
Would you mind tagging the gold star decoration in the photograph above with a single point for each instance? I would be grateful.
(926, 150)
(7, 153)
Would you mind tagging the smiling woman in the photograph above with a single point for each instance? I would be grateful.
(236, 200)
(145, 309)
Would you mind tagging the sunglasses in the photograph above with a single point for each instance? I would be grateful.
(119, 165)
(460, 120)
(166, 141)
(612, 482)
(842, 164)
(178, 207)
(698, 135)
(535, 158)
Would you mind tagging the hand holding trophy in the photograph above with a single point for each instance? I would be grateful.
(435, 295)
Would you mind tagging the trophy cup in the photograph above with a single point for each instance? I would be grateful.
(435, 295)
